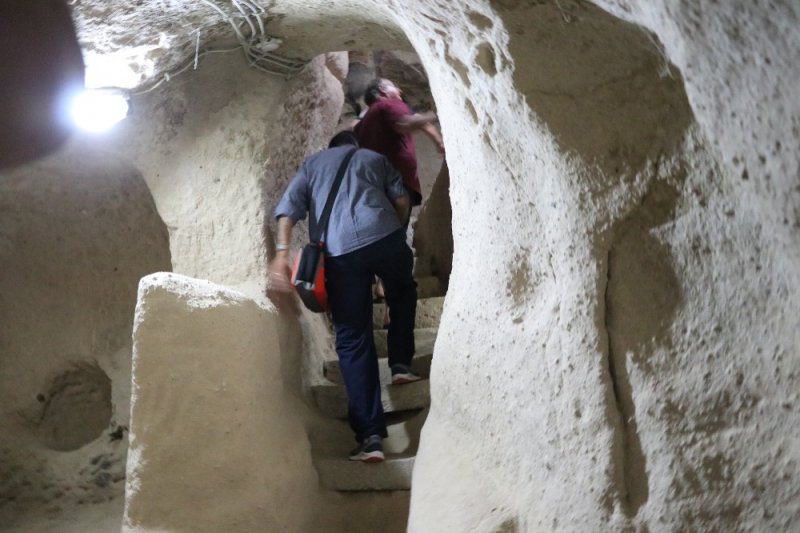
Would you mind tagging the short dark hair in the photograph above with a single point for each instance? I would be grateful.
(373, 91)
(343, 138)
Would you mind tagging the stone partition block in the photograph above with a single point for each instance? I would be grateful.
(216, 443)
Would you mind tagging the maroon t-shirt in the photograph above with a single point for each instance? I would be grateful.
(376, 133)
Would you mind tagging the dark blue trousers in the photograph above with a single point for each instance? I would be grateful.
(349, 282)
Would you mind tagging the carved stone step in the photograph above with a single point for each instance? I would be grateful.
(429, 313)
(332, 399)
(331, 442)
(344, 475)
(424, 266)
(421, 364)
(424, 339)
(429, 287)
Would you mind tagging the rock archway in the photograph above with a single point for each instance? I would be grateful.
(619, 342)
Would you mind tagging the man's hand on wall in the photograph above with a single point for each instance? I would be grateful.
(279, 285)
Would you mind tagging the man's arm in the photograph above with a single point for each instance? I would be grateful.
(423, 122)
(430, 130)
(410, 123)
(395, 190)
(280, 273)
(402, 205)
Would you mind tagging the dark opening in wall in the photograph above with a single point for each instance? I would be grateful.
(76, 407)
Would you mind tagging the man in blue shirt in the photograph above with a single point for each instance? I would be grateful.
(365, 238)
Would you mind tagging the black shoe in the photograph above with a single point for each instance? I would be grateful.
(369, 451)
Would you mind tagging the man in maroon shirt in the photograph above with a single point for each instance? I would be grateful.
(386, 128)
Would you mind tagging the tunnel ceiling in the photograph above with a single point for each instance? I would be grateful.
(134, 44)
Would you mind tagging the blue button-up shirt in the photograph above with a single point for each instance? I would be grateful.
(362, 213)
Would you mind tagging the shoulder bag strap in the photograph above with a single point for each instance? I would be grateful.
(322, 225)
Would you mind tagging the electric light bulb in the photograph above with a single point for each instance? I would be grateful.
(98, 110)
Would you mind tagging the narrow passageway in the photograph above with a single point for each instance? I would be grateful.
(406, 406)
(618, 349)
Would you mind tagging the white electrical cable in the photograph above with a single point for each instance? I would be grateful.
(197, 49)
(239, 7)
(168, 76)
(257, 11)
(256, 57)
(227, 18)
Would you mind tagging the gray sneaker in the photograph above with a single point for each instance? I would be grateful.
(401, 375)
(369, 451)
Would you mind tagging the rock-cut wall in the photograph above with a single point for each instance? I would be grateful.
(619, 346)
(207, 374)
(77, 231)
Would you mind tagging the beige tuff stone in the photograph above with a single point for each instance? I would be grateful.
(214, 385)
(619, 344)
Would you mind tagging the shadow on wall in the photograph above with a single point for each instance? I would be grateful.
(643, 296)
(304, 125)
(77, 232)
(433, 233)
(641, 281)
(606, 92)
(601, 85)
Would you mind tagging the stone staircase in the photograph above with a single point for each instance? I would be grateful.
(406, 406)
